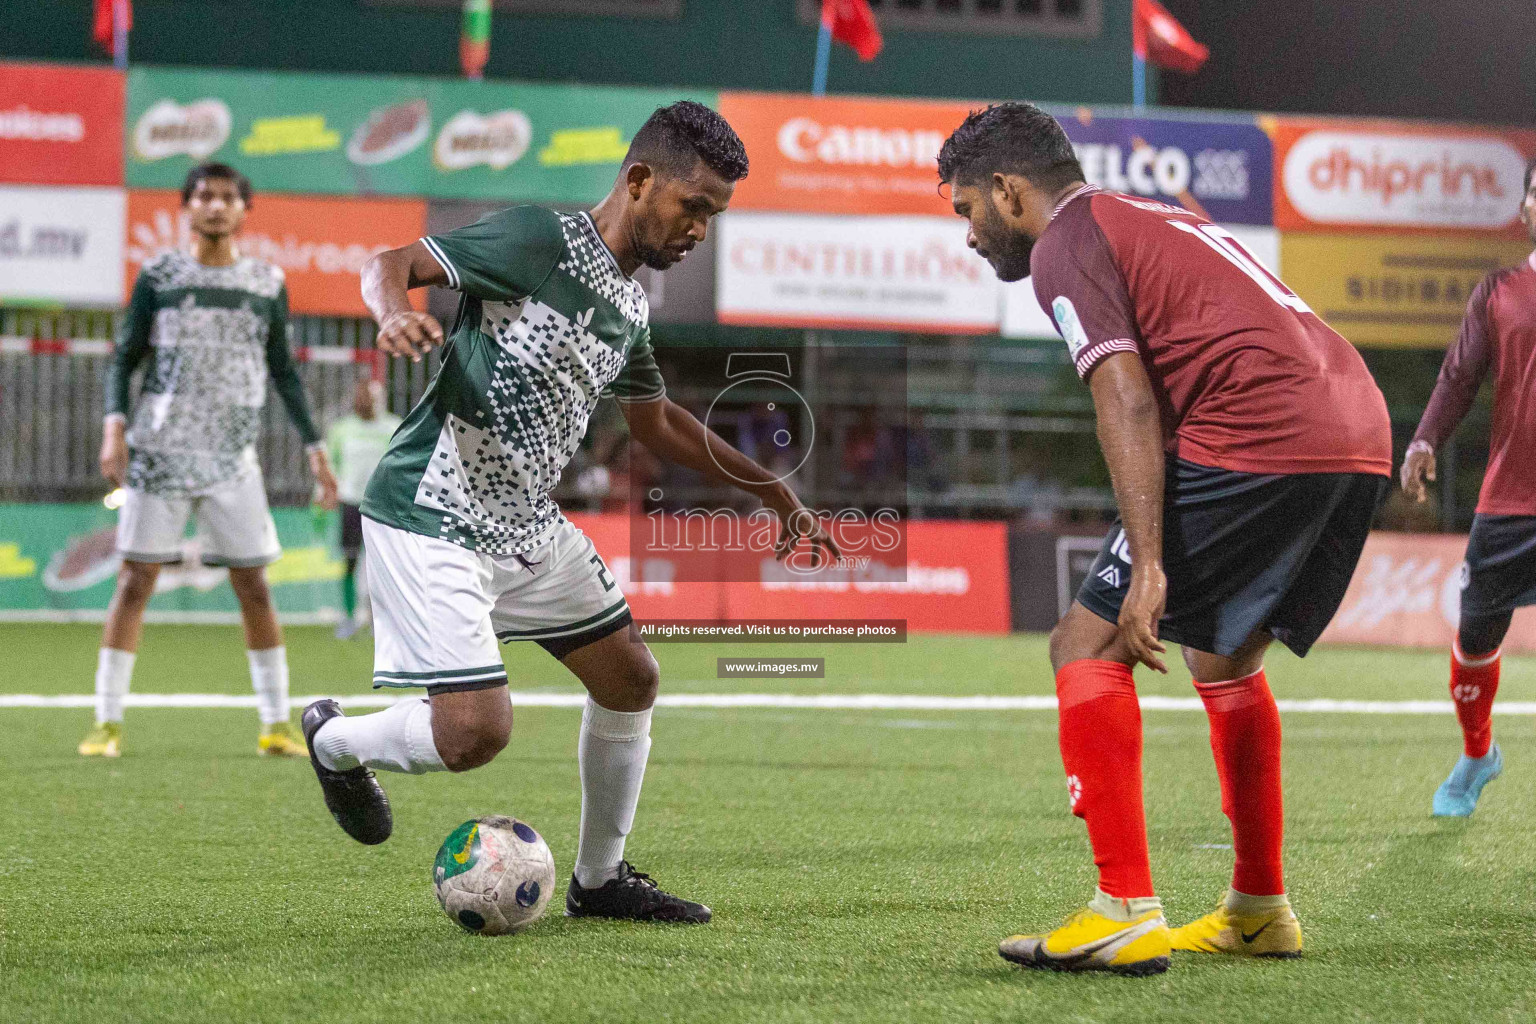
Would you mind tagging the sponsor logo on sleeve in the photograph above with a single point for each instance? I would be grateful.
(169, 129)
(1069, 325)
(497, 140)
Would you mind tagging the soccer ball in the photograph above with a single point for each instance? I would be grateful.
(494, 875)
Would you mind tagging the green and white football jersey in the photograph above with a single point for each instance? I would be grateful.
(208, 337)
(547, 325)
(356, 446)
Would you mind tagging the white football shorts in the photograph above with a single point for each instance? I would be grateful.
(234, 524)
(439, 609)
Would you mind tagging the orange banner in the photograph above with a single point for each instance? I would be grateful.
(841, 155)
(957, 582)
(321, 243)
(1398, 176)
(1407, 593)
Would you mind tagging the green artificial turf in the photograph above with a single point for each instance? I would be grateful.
(861, 865)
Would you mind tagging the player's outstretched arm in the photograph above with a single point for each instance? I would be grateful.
(1131, 435)
(675, 434)
(387, 280)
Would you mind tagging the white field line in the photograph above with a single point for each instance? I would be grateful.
(807, 702)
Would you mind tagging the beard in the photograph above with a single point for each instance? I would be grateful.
(1006, 250)
(655, 258)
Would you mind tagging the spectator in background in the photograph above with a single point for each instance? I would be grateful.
(356, 444)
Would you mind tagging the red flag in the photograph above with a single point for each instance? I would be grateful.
(101, 27)
(853, 23)
(1157, 36)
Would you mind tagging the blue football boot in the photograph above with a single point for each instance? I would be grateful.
(1457, 795)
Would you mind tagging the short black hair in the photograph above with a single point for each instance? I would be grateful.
(675, 138)
(1010, 138)
(215, 170)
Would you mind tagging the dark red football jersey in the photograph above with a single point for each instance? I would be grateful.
(1247, 377)
(1498, 333)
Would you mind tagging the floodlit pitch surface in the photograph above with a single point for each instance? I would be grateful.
(862, 865)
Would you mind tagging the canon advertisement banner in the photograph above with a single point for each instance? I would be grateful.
(893, 272)
(61, 125)
(1415, 177)
(61, 245)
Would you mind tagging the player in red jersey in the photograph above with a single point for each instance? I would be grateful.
(1249, 449)
(1498, 334)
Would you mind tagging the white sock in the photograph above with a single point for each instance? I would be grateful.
(114, 670)
(612, 750)
(397, 739)
(269, 678)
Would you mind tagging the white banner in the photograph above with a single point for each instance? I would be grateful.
(1023, 317)
(811, 270)
(62, 244)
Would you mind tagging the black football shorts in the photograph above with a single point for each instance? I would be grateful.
(1247, 551)
(1499, 574)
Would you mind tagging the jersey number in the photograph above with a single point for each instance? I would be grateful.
(1233, 252)
(602, 573)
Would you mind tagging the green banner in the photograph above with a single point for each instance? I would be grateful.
(378, 135)
(59, 560)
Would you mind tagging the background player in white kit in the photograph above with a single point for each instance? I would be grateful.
(465, 544)
(209, 326)
(357, 443)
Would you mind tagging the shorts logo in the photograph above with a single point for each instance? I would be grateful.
(1074, 792)
(1069, 325)
(1110, 574)
(1121, 548)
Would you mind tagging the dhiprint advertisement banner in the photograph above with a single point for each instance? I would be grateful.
(61, 245)
(1411, 177)
(354, 134)
(1219, 169)
(61, 125)
(320, 243)
(1408, 290)
(1023, 317)
(894, 272)
(1406, 592)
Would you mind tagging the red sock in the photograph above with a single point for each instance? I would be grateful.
(1101, 750)
(1474, 681)
(1245, 737)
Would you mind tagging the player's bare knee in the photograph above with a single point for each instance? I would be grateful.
(642, 678)
(475, 746)
(136, 583)
(250, 587)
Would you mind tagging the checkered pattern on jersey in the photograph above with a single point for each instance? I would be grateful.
(200, 410)
(588, 260)
(492, 478)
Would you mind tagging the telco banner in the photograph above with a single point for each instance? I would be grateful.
(892, 272)
(321, 243)
(61, 125)
(1393, 289)
(386, 135)
(1384, 175)
(61, 245)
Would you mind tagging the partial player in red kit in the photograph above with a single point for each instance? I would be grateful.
(1249, 449)
(1498, 334)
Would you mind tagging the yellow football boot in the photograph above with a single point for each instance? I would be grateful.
(281, 740)
(1241, 930)
(1090, 941)
(105, 740)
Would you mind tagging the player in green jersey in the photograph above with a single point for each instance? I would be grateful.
(357, 443)
(209, 326)
(466, 546)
